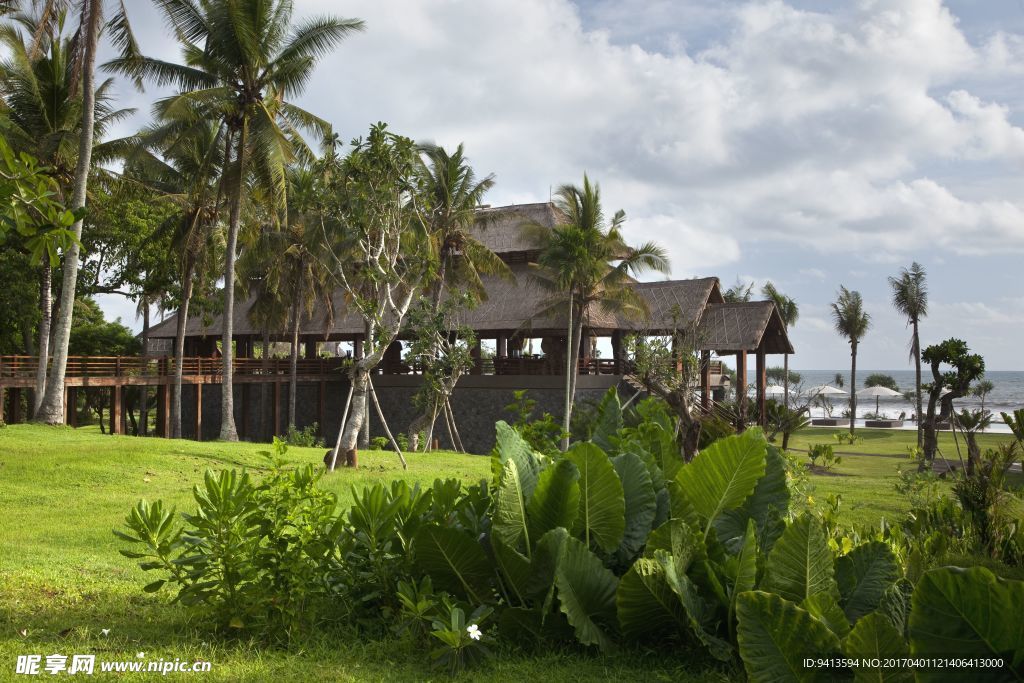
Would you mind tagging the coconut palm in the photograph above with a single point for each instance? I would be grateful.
(85, 44)
(454, 196)
(184, 159)
(851, 322)
(910, 297)
(243, 62)
(740, 292)
(585, 261)
(790, 313)
(42, 110)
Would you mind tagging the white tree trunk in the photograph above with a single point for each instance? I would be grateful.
(51, 411)
(228, 432)
(45, 315)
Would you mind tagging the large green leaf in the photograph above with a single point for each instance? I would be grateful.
(547, 555)
(556, 499)
(509, 445)
(825, 608)
(609, 419)
(766, 506)
(968, 613)
(895, 604)
(775, 636)
(509, 521)
(514, 567)
(453, 560)
(641, 504)
(699, 612)
(863, 575)
(875, 638)
(646, 605)
(746, 570)
(586, 594)
(800, 564)
(723, 475)
(602, 512)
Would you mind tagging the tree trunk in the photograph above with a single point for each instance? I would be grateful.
(364, 433)
(568, 377)
(853, 385)
(51, 411)
(785, 384)
(973, 452)
(293, 367)
(228, 432)
(265, 366)
(144, 390)
(45, 315)
(917, 382)
(179, 353)
(360, 378)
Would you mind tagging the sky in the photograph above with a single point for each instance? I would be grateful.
(810, 143)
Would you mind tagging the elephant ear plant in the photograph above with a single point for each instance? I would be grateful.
(615, 542)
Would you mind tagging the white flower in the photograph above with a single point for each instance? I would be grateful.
(474, 631)
(105, 631)
(140, 655)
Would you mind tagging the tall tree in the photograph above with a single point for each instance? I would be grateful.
(740, 292)
(851, 322)
(243, 62)
(452, 197)
(42, 109)
(585, 261)
(910, 297)
(945, 387)
(86, 41)
(790, 313)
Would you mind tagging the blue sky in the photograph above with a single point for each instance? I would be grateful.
(808, 143)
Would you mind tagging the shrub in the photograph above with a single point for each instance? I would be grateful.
(825, 453)
(713, 428)
(380, 443)
(304, 438)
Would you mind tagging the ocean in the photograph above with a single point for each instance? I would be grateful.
(1006, 396)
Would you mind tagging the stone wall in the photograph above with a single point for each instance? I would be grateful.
(478, 402)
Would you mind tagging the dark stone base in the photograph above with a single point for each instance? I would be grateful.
(478, 402)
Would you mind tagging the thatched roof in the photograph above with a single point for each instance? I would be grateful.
(514, 304)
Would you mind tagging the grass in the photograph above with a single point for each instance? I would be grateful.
(62, 580)
(868, 472)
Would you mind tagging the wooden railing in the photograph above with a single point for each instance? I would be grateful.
(138, 366)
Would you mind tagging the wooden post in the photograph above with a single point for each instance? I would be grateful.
(15, 404)
(321, 398)
(3, 399)
(705, 381)
(72, 406)
(761, 379)
(311, 349)
(124, 410)
(502, 350)
(115, 410)
(277, 408)
(244, 422)
(163, 413)
(199, 411)
(475, 353)
(741, 387)
(617, 351)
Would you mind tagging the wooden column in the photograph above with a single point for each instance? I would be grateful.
(501, 350)
(311, 349)
(277, 409)
(475, 353)
(67, 403)
(15, 393)
(244, 422)
(705, 380)
(617, 354)
(73, 406)
(116, 408)
(199, 411)
(124, 409)
(3, 399)
(357, 346)
(741, 387)
(163, 410)
(321, 407)
(761, 379)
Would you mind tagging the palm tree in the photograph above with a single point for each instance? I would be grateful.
(242, 63)
(740, 292)
(184, 159)
(86, 44)
(454, 197)
(982, 389)
(43, 115)
(586, 260)
(910, 297)
(790, 313)
(852, 323)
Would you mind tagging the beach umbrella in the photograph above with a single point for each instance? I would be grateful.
(878, 392)
(773, 390)
(825, 390)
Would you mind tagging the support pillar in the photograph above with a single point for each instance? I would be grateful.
(311, 349)
(15, 393)
(475, 353)
(116, 408)
(163, 412)
(705, 381)
(277, 409)
(502, 346)
(244, 422)
(761, 380)
(741, 387)
(321, 407)
(199, 411)
(357, 346)
(3, 399)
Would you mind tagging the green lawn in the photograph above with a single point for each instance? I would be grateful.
(62, 580)
(865, 480)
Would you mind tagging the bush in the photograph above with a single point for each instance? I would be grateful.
(713, 428)
(380, 443)
(825, 453)
(305, 437)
